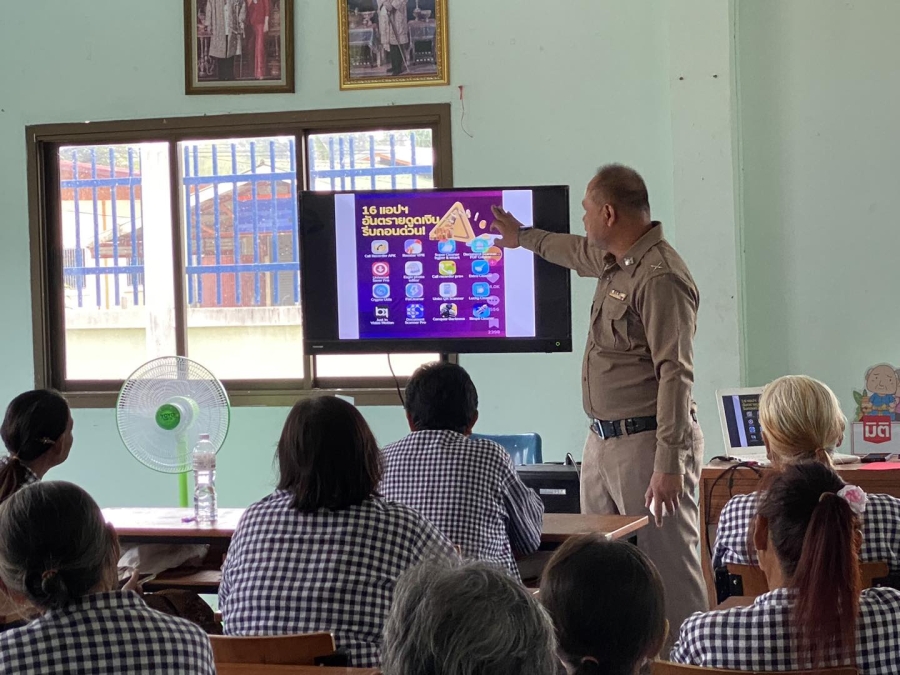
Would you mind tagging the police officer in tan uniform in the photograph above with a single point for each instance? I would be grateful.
(645, 447)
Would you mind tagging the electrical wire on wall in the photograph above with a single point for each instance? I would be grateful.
(396, 381)
(462, 119)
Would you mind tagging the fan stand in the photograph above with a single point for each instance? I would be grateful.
(183, 477)
(179, 412)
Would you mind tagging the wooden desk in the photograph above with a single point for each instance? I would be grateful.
(714, 495)
(269, 669)
(168, 526)
(164, 525)
(558, 527)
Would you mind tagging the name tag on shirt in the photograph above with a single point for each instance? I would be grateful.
(618, 295)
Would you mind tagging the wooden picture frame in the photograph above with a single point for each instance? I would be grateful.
(379, 47)
(220, 60)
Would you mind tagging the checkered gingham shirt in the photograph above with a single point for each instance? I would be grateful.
(469, 488)
(759, 637)
(30, 476)
(289, 571)
(106, 634)
(881, 531)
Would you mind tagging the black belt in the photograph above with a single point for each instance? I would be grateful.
(631, 426)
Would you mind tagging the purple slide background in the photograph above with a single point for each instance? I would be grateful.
(420, 316)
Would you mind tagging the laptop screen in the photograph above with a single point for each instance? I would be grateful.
(741, 418)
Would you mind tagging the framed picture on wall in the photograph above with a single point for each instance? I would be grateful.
(238, 46)
(393, 43)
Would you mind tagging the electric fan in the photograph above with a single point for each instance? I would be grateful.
(162, 409)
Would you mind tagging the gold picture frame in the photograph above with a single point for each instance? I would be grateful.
(220, 60)
(415, 52)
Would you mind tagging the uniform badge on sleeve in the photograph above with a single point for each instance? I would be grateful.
(618, 295)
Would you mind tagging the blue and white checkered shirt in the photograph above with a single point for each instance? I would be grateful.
(881, 531)
(106, 634)
(288, 571)
(469, 488)
(760, 637)
(30, 476)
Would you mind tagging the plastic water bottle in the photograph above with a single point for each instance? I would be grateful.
(203, 459)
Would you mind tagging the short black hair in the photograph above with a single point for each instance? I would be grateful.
(327, 456)
(621, 186)
(441, 396)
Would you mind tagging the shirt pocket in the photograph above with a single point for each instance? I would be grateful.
(611, 326)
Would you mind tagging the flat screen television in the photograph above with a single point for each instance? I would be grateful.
(418, 271)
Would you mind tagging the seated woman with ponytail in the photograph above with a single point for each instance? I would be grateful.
(37, 433)
(807, 537)
(58, 553)
(607, 603)
(801, 421)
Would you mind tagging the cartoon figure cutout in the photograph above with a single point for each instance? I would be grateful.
(881, 395)
(877, 424)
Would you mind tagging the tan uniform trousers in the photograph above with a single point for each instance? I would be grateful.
(615, 475)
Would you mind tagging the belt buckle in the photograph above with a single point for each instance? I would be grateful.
(598, 429)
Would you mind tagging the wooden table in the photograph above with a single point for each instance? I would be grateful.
(716, 489)
(175, 526)
(163, 525)
(558, 527)
(269, 669)
(170, 526)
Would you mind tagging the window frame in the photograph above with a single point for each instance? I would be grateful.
(47, 254)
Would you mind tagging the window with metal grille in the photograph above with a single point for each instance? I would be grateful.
(181, 237)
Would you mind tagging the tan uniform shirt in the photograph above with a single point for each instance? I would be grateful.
(639, 355)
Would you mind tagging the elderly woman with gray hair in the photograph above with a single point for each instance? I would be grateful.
(467, 619)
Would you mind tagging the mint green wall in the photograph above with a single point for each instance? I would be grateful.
(782, 142)
(551, 92)
(820, 103)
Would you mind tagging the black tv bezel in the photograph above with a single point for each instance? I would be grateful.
(319, 310)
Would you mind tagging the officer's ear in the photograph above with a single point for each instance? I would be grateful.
(611, 214)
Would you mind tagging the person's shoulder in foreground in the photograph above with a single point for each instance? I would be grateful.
(58, 553)
(112, 632)
(704, 635)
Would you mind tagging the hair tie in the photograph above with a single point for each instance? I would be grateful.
(49, 574)
(854, 496)
(590, 659)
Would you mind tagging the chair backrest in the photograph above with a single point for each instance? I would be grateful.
(523, 448)
(666, 668)
(289, 650)
(754, 581)
(870, 572)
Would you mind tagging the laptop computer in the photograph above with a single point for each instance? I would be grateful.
(739, 416)
(741, 430)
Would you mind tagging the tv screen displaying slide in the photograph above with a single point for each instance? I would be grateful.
(419, 271)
